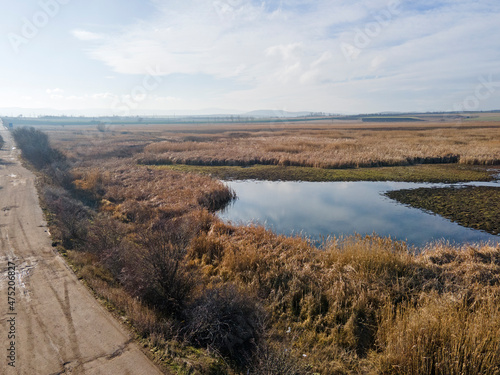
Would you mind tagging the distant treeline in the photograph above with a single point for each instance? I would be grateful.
(390, 119)
(212, 119)
(183, 120)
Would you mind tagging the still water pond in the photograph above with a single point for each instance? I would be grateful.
(321, 209)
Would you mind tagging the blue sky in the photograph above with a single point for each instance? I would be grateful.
(334, 56)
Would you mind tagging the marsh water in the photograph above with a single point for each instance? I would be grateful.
(322, 209)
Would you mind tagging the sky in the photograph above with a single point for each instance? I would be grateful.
(354, 56)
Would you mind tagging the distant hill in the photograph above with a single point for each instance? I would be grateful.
(34, 112)
(104, 112)
(269, 113)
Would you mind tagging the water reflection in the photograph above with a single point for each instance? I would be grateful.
(319, 209)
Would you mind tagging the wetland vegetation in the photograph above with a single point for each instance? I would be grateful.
(329, 146)
(207, 297)
(475, 207)
(446, 173)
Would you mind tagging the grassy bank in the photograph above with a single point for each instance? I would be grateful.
(417, 173)
(473, 207)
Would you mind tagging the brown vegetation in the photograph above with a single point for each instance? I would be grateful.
(210, 298)
(332, 147)
(138, 192)
(367, 304)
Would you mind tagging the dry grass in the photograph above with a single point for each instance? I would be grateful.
(344, 306)
(143, 194)
(333, 147)
(441, 336)
(319, 144)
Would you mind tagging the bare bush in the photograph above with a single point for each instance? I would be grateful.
(227, 322)
(180, 230)
(156, 273)
(58, 172)
(35, 147)
(71, 216)
(106, 239)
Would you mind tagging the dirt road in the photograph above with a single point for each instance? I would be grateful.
(49, 322)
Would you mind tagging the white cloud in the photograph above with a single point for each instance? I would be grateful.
(103, 95)
(286, 52)
(54, 91)
(292, 54)
(85, 35)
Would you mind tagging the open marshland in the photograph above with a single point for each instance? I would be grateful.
(332, 146)
(320, 144)
(133, 209)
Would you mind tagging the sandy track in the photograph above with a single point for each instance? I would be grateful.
(59, 327)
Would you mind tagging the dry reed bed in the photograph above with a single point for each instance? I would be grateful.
(331, 148)
(138, 192)
(366, 304)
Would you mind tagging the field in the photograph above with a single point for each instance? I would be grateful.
(131, 207)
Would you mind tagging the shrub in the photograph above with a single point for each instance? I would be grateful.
(58, 172)
(180, 230)
(104, 233)
(155, 271)
(35, 147)
(71, 216)
(227, 322)
(105, 239)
